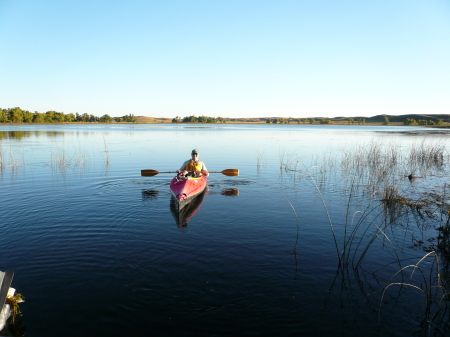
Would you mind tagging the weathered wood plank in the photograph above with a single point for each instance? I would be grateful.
(4, 286)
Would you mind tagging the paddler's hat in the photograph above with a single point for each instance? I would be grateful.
(194, 151)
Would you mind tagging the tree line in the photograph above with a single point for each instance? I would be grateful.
(199, 119)
(17, 115)
(412, 121)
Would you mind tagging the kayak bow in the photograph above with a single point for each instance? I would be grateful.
(184, 189)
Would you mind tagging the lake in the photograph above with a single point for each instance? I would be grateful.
(314, 236)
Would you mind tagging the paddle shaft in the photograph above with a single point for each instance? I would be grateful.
(228, 172)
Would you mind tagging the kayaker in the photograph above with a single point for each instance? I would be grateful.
(195, 165)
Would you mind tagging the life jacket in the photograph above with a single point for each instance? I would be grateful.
(193, 166)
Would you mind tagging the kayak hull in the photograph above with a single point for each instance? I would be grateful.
(184, 189)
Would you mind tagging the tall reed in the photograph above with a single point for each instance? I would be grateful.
(2, 161)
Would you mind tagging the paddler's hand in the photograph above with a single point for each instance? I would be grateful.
(205, 173)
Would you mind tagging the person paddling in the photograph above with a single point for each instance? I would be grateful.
(195, 165)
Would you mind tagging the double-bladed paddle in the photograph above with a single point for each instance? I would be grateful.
(228, 172)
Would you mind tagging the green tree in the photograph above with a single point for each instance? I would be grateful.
(325, 121)
(27, 117)
(386, 120)
(38, 117)
(190, 119)
(275, 121)
(84, 118)
(410, 121)
(69, 117)
(439, 122)
(129, 118)
(3, 116)
(16, 115)
(58, 117)
(48, 117)
(106, 119)
(311, 120)
(350, 121)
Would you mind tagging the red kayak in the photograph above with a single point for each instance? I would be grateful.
(184, 189)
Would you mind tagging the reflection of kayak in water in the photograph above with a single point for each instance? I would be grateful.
(187, 196)
(184, 189)
(183, 215)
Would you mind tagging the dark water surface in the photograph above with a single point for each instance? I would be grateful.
(96, 250)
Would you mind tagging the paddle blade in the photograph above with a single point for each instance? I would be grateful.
(149, 173)
(231, 172)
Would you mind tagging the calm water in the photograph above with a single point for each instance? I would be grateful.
(96, 250)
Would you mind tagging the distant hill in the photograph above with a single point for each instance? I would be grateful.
(374, 119)
(337, 120)
(402, 118)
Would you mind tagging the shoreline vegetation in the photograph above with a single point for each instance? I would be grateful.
(18, 116)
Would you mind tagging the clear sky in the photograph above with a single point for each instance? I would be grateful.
(305, 58)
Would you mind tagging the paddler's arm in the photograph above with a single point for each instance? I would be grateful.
(204, 170)
(182, 169)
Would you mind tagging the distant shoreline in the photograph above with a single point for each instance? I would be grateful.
(425, 120)
(443, 126)
(18, 116)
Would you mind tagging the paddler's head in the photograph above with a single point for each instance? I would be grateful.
(194, 154)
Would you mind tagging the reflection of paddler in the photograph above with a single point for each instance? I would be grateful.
(193, 165)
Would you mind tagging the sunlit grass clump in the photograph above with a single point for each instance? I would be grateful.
(13, 302)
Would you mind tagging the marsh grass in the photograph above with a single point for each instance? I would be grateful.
(2, 161)
(426, 156)
(394, 181)
(62, 159)
(426, 282)
(15, 161)
(13, 302)
(106, 153)
(260, 161)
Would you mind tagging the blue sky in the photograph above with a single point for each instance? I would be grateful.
(322, 58)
